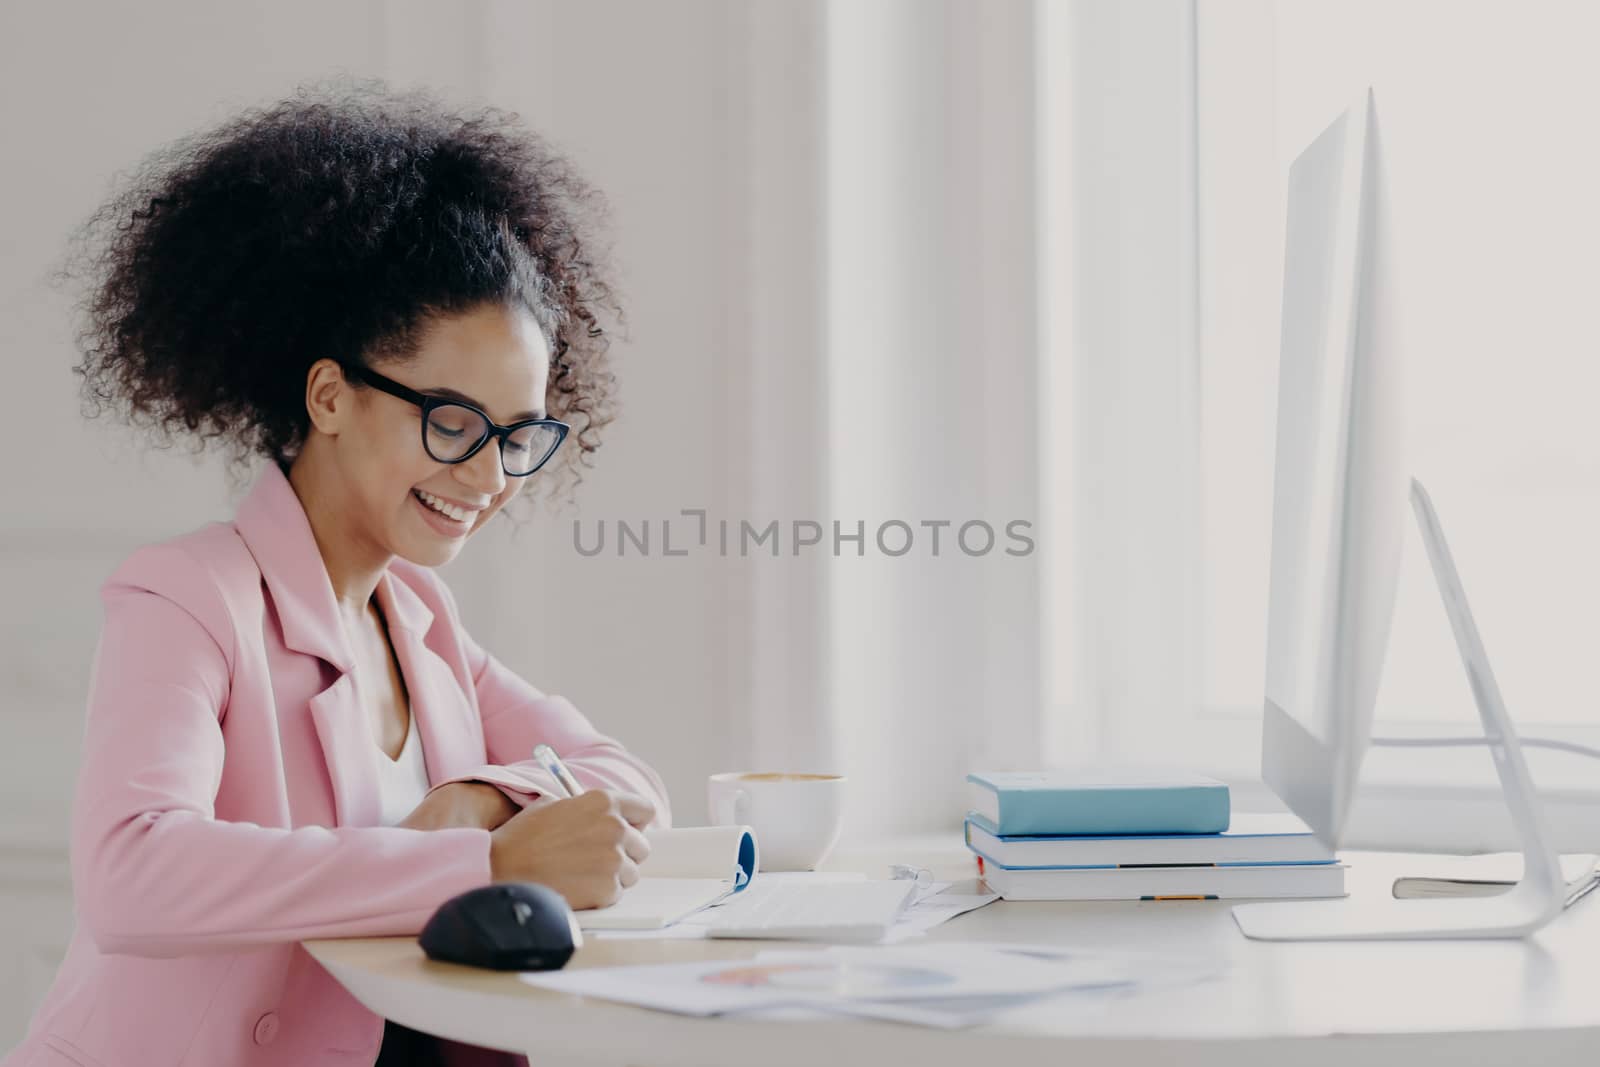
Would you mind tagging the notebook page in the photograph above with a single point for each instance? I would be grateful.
(652, 903)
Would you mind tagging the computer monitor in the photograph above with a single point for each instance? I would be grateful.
(1339, 483)
(1339, 495)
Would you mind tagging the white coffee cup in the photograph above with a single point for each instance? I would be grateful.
(796, 817)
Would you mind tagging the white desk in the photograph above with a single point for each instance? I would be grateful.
(1457, 1003)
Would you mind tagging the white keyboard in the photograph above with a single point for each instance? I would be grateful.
(829, 911)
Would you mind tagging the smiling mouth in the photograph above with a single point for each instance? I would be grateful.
(444, 509)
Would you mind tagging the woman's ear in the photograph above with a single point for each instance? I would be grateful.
(329, 397)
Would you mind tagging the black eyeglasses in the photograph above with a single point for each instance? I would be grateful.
(453, 431)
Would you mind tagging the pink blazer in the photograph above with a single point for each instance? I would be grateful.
(227, 803)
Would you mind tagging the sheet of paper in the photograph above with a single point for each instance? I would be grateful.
(681, 988)
(938, 903)
(1103, 977)
(943, 902)
(1144, 970)
(690, 930)
(886, 974)
(953, 1014)
(981, 963)
(947, 985)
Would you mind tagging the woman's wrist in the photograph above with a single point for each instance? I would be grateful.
(471, 804)
(486, 804)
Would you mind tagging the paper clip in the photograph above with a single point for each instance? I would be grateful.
(921, 875)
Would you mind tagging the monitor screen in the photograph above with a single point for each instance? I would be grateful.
(1339, 486)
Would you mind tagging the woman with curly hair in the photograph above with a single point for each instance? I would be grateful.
(290, 735)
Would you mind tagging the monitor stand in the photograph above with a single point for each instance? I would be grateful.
(1528, 905)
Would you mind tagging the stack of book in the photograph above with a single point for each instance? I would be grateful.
(1060, 835)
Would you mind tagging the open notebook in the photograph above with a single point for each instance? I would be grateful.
(688, 869)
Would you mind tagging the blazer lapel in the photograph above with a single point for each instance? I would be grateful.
(274, 527)
(273, 524)
(350, 752)
(439, 710)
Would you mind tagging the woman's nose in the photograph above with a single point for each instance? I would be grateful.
(483, 471)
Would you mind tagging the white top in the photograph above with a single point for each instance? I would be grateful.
(402, 782)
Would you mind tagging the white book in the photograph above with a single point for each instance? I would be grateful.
(1488, 875)
(1252, 839)
(1279, 881)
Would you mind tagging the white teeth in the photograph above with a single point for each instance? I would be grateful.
(444, 507)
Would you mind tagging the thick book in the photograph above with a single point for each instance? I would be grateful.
(1283, 881)
(1251, 839)
(689, 868)
(1032, 803)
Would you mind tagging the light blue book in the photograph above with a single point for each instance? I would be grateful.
(1252, 839)
(1035, 803)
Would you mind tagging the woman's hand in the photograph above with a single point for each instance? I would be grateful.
(475, 804)
(587, 848)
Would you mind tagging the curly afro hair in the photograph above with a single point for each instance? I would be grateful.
(334, 224)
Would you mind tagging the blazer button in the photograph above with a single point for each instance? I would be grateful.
(266, 1028)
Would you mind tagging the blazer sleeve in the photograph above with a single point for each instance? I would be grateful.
(155, 873)
(516, 716)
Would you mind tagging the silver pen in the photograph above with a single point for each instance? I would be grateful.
(547, 758)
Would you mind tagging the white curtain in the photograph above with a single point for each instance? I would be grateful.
(893, 384)
(933, 369)
(989, 316)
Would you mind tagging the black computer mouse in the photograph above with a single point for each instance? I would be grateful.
(510, 926)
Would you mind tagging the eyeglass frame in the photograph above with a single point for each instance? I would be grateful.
(428, 403)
